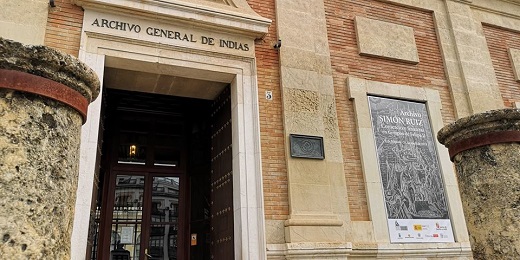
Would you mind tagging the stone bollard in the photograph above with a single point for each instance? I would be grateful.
(485, 149)
(44, 96)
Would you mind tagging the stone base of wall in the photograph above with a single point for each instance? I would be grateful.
(459, 251)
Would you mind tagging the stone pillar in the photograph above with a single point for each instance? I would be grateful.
(485, 149)
(318, 205)
(44, 96)
(475, 61)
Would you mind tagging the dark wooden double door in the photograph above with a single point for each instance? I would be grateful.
(167, 175)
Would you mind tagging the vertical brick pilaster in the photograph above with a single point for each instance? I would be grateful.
(271, 121)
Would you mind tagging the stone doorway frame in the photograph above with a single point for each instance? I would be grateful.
(240, 72)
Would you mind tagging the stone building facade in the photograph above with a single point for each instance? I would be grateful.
(291, 74)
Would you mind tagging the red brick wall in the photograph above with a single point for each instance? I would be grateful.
(271, 118)
(64, 27)
(499, 41)
(346, 61)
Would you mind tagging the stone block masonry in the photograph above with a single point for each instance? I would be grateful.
(514, 55)
(24, 21)
(388, 40)
(43, 100)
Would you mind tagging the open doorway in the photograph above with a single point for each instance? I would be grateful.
(128, 66)
(165, 184)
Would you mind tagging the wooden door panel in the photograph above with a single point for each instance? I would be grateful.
(146, 140)
(222, 241)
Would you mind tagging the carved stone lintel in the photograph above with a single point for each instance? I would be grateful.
(233, 16)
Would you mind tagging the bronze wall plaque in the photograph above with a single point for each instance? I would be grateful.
(304, 146)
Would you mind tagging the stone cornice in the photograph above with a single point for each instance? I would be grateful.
(515, 2)
(508, 8)
(235, 17)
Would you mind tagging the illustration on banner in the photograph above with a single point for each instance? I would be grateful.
(413, 187)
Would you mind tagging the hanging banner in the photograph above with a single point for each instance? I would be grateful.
(414, 191)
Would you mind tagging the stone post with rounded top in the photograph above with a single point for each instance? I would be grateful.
(44, 96)
(485, 149)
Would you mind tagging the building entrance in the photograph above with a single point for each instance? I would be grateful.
(150, 222)
(165, 189)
